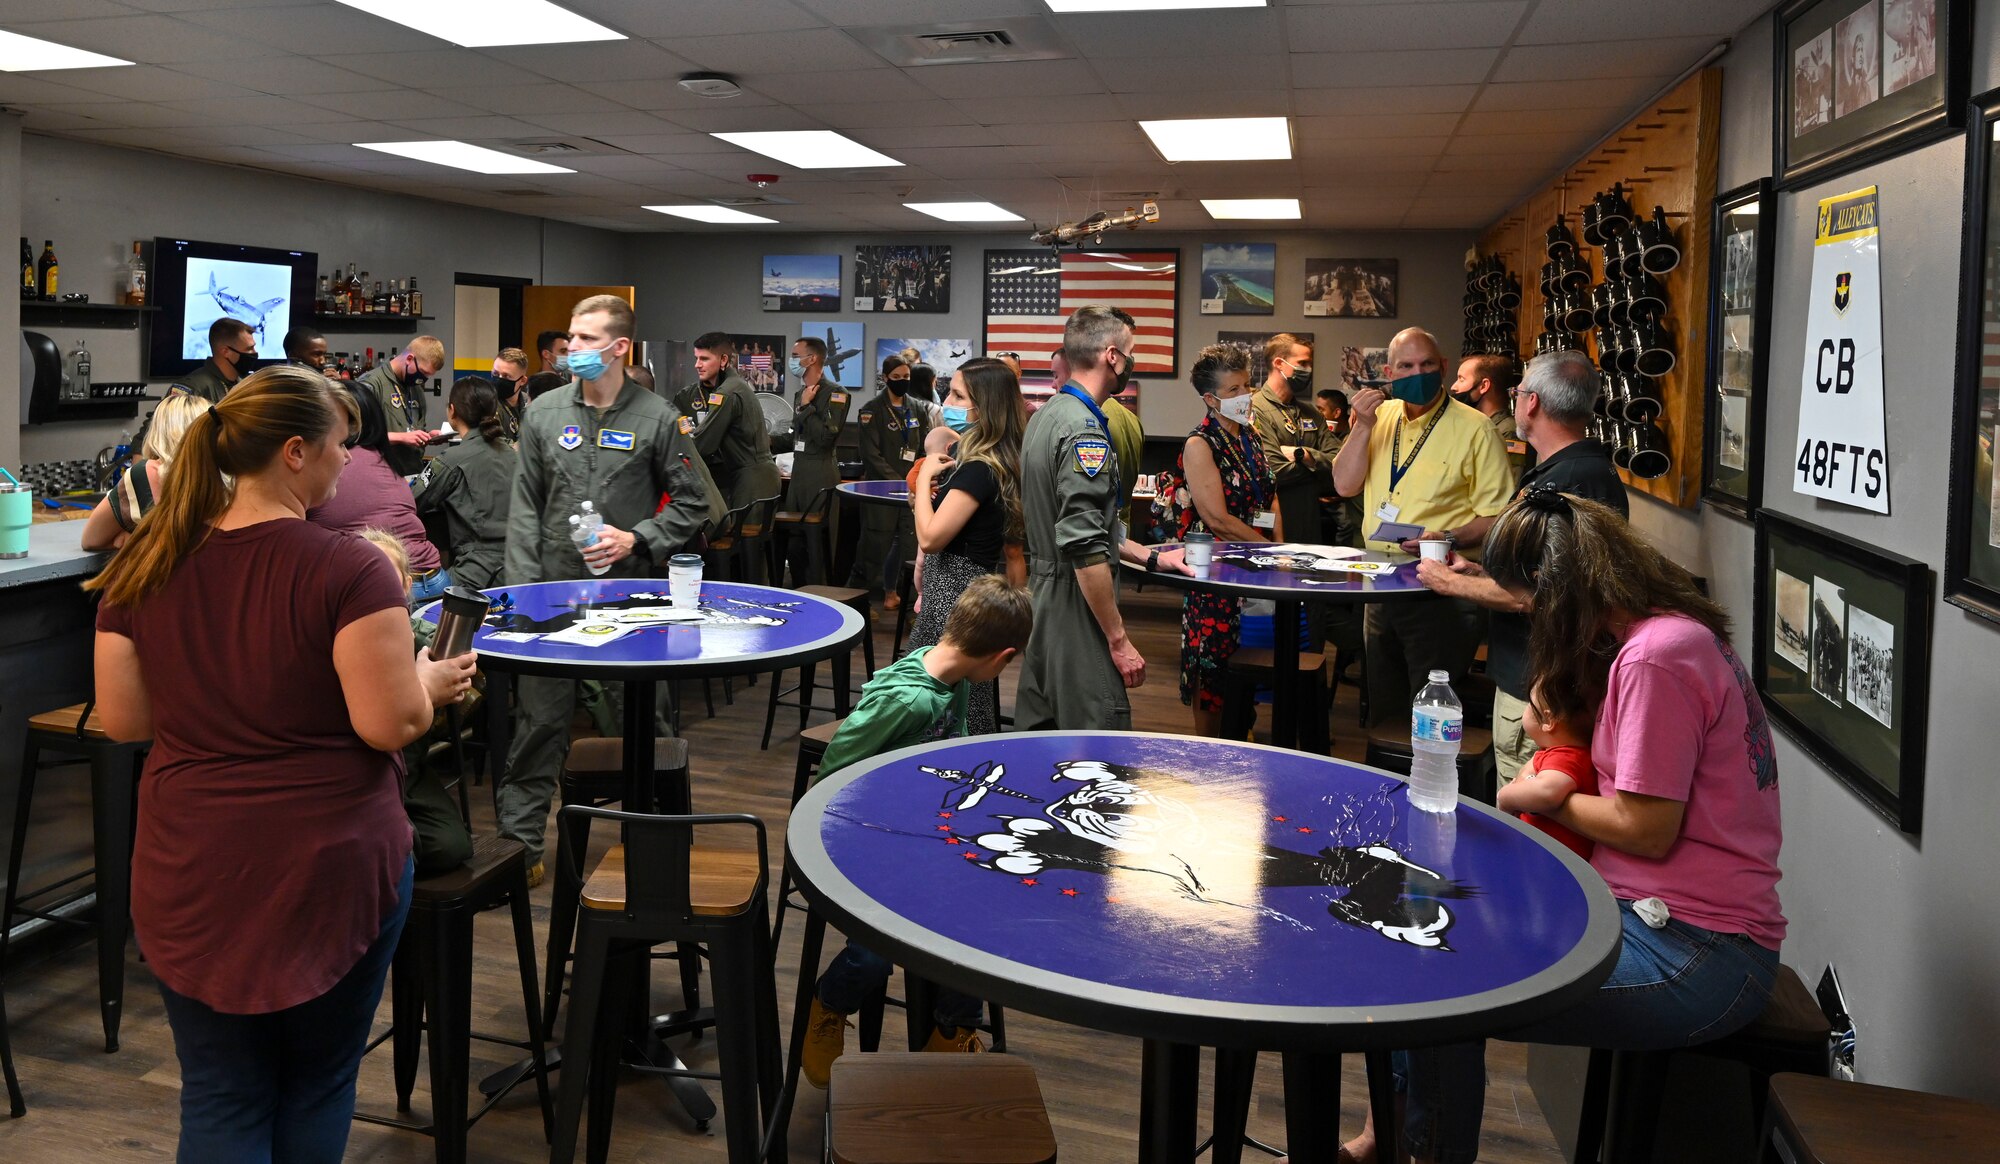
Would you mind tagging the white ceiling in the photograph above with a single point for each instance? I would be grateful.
(1424, 114)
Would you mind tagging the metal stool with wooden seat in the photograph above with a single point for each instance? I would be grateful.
(848, 596)
(812, 746)
(736, 550)
(902, 1108)
(114, 790)
(1253, 667)
(1389, 748)
(1822, 1121)
(431, 990)
(1624, 1087)
(813, 525)
(658, 886)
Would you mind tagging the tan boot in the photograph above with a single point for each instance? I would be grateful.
(536, 872)
(967, 1039)
(826, 1038)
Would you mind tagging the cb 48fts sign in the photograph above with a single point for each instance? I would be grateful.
(1842, 450)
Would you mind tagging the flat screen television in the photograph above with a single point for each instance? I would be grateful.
(197, 283)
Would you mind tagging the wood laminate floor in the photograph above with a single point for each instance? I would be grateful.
(88, 1107)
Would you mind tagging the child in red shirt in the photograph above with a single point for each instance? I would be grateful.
(1561, 762)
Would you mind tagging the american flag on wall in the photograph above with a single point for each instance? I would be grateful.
(1030, 294)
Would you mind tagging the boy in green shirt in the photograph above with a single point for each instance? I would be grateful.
(917, 699)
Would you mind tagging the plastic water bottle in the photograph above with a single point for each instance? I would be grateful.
(583, 531)
(1437, 724)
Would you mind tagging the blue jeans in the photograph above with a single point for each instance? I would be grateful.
(1672, 987)
(257, 1088)
(858, 972)
(422, 590)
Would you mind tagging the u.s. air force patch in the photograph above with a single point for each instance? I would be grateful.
(572, 436)
(1091, 453)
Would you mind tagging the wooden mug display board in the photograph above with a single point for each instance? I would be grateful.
(1666, 156)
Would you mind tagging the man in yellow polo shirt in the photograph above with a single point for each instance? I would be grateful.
(1420, 459)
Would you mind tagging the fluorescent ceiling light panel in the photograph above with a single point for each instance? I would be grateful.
(1146, 5)
(1221, 139)
(1251, 207)
(964, 211)
(461, 156)
(809, 149)
(487, 23)
(708, 213)
(26, 54)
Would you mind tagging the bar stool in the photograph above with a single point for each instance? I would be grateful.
(658, 886)
(899, 1109)
(431, 991)
(1389, 748)
(906, 592)
(1253, 667)
(114, 791)
(813, 743)
(1822, 1121)
(814, 525)
(855, 598)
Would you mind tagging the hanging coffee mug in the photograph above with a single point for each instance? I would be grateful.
(1620, 312)
(1656, 349)
(1592, 235)
(1576, 313)
(1558, 241)
(1662, 253)
(1623, 444)
(1617, 391)
(1607, 350)
(1509, 295)
(1645, 299)
(1600, 304)
(1572, 274)
(1628, 348)
(1616, 216)
(1650, 457)
(1641, 396)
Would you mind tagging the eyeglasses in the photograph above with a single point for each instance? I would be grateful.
(1514, 394)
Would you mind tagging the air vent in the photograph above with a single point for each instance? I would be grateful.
(752, 200)
(560, 147)
(548, 147)
(1024, 38)
(987, 42)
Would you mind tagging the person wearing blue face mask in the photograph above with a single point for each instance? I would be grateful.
(1420, 460)
(554, 349)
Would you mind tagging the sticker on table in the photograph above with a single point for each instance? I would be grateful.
(589, 634)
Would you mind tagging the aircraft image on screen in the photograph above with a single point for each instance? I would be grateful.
(237, 290)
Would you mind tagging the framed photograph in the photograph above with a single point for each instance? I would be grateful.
(902, 278)
(1842, 658)
(801, 282)
(1860, 80)
(1236, 278)
(846, 355)
(760, 360)
(1972, 543)
(1350, 288)
(943, 355)
(1030, 293)
(1739, 320)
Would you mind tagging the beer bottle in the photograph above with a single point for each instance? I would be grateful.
(48, 273)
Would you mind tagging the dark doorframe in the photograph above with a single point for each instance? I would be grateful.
(510, 302)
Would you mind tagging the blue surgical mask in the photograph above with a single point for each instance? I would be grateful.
(1419, 389)
(797, 369)
(586, 363)
(957, 419)
(561, 366)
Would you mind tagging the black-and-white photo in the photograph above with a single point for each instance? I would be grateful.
(888, 278)
(1734, 450)
(1857, 44)
(1739, 270)
(1871, 665)
(1738, 354)
(1829, 641)
(1909, 43)
(1351, 288)
(1794, 609)
(1812, 84)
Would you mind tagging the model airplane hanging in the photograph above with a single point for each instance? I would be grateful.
(1093, 228)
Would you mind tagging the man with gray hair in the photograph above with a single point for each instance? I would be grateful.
(1552, 408)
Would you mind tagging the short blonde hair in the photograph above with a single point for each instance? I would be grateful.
(513, 356)
(391, 545)
(1279, 347)
(169, 426)
(614, 307)
(429, 349)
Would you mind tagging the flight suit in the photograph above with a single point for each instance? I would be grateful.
(1519, 455)
(1299, 488)
(472, 485)
(729, 431)
(1069, 500)
(621, 460)
(892, 442)
(817, 427)
(403, 408)
(206, 382)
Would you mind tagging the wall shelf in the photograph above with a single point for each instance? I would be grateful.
(37, 313)
(369, 322)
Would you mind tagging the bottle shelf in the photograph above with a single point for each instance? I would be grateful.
(36, 312)
(368, 322)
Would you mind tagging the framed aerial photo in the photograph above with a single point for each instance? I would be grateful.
(1972, 543)
(1350, 288)
(1739, 323)
(1842, 658)
(900, 278)
(801, 282)
(1236, 278)
(1857, 81)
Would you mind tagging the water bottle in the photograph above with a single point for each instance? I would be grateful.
(594, 525)
(584, 535)
(1437, 723)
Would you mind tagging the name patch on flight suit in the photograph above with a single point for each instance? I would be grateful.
(1307, 425)
(572, 436)
(611, 438)
(1091, 454)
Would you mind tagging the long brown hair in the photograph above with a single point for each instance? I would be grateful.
(1586, 567)
(995, 437)
(241, 435)
(477, 403)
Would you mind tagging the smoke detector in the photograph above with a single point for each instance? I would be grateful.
(715, 86)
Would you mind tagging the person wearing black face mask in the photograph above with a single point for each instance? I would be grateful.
(1486, 383)
(510, 374)
(232, 350)
(892, 431)
(1297, 443)
(399, 385)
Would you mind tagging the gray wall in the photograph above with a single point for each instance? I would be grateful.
(1910, 923)
(693, 283)
(10, 305)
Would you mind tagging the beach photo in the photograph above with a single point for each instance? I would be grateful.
(1236, 278)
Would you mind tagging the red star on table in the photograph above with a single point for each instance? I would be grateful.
(1029, 881)
(972, 856)
(944, 816)
(1069, 893)
(953, 841)
(944, 828)
(1279, 819)
(1304, 829)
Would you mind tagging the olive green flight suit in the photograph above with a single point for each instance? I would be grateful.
(1069, 500)
(206, 382)
(621, 459)
(403, 408)
(892, 442)
(729, 430)
(1519, 455)
(472, 484)
(816, 428)
(1296, 423)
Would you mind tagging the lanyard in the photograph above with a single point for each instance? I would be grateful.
(1399, 468)
(1103, 423)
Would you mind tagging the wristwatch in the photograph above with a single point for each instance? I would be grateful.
(1153, 561)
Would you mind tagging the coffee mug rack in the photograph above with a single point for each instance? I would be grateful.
(1666, 158)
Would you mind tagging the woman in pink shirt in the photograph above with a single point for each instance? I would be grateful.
(1684, 808)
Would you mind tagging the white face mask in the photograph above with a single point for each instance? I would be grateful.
(1234, 408)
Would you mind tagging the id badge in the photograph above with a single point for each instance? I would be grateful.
(1264, 519)
(1389, 511)
(909, 455)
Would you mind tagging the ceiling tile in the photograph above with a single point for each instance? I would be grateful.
(51, 121)
(1581, 124)
(330, 28)
(919, 12)
(23, 12)
(1383, 99)
(520, 99)
(149, 38)
(624, 60)
(1207, 73)
(484, 128)
(1187, 102)
(386, 103)
(149, 83)
(255, 110)
(1104, 35)
(1609, 58)
(1620, 93)
(1405, 146)
(1017, 110)
(431, 69)
(823, 48)
(743, 118)
(1440, 67)
(29, 89)
(600, 125)
(929, 136)
(1569, 21)
(681, 18)
(242, 137)
(667, 145)
(1425, 27)
(283, 76)
(344, 131)
(1549, 146)
(1375, 125)
(1048, 78)
(890, 115)
(846, 85)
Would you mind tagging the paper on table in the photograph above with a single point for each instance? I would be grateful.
(513, 636)
(1321, 551)
(589, 634)
(645, 614)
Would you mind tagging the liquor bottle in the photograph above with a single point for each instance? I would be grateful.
(132, 280)
(396, 298)
(416, 304)
(364, 303)
(322, 303)
(380, 304)
(29, 288)
(48, 272)
(352, 292)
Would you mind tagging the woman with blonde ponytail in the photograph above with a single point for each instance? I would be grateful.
(271, 663)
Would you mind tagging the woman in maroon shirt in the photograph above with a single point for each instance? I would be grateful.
(270, 661)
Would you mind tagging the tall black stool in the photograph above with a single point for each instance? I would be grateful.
(1253, 667)
(114, 793)
(813, 525)
(855, 598)
(1389, 748)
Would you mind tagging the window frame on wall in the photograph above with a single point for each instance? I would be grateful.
(1746, 504)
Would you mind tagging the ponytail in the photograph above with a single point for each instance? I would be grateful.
(240, 436)
(477, 404)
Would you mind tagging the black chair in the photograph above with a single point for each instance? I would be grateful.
(906, 593)
(658, 886)
(814, 526)
(850, 596)
(736, 551)
(1251, 668)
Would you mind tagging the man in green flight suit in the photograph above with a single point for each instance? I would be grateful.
(1079, 661)
(232, 353)
(602, 439)
(1298, 446)
(819, 412)
(893, 428)
(1486, 382)
(399, 385)
(728, 424)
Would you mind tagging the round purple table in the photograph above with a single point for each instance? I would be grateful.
(877, 492)
(1194, 892)
(1250, 570)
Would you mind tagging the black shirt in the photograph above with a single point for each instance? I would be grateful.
(1582, 469)
(984, 536)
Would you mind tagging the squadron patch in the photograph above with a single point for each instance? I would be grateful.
(1307, 424)
(572, 436)
(866, 416)
(1091, 453)
(611, 438)
(687, 426)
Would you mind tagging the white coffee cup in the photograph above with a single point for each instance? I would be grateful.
(1434, 549)
(684, 580)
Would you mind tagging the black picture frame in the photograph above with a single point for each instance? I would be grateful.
(1861, 715)
(1735, 394)
(1816, 133)
(1971, 557)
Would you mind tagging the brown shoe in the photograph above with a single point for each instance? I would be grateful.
(967, 1039)
(826, 1039)
(536, 872)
